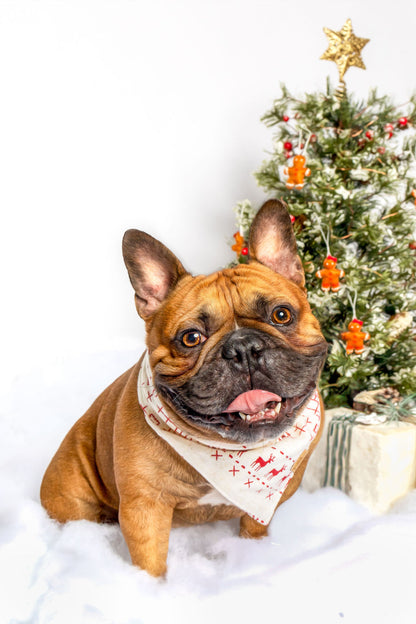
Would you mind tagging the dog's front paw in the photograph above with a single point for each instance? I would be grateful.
(249, 528)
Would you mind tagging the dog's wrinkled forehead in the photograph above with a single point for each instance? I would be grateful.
(240, 293)
(242, 296)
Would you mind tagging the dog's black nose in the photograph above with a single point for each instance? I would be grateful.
(244, 349)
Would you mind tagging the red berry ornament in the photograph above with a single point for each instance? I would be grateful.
(388, 129)
(370, 135)
(285, 118)
(381, 150)
(287, 145)
(244, 251)
(403, 121)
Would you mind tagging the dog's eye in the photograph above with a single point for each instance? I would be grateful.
(192, 338)
(281, 316)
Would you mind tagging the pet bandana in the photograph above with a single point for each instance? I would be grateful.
(251, 477)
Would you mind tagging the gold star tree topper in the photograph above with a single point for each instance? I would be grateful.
(344, 49)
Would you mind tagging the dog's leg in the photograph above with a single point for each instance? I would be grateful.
(73, 498)
(146, 525)
(252, 529)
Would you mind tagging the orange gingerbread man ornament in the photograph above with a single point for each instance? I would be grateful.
(329, 275)
(297, 172)
(355, 337)
(239, 243)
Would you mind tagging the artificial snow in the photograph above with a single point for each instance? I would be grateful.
(326, 560)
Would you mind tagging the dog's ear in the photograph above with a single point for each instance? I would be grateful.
(273, 243)
(152, 268)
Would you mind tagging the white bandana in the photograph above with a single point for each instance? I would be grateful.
(253, 478)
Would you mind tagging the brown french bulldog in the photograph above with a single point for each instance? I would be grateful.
(235, 359)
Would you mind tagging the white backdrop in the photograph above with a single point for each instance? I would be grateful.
(146, 114)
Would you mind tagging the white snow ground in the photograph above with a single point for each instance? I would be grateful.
(327, 559)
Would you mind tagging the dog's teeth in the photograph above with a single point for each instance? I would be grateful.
(245, 417)
(271, 413)
(274, 412)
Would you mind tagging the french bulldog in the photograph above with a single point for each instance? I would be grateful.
(226, 388)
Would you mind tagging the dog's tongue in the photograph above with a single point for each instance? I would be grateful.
(252, 401)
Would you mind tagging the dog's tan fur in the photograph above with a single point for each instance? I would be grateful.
(112, 466)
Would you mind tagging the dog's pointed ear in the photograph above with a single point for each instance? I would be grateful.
(153, 270)
(272, 241)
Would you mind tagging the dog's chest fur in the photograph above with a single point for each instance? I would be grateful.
(211, 506)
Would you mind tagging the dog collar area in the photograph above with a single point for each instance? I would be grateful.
(251, 478)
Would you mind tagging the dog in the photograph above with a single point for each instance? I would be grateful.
(218, 418)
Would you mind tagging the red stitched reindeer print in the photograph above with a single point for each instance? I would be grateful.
(261, 463)
(273, 473)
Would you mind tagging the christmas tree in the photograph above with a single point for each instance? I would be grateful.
(346, 169)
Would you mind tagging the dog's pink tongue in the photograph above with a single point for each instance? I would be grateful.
(252, 401)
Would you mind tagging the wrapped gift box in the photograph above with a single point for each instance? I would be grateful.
(371, 460)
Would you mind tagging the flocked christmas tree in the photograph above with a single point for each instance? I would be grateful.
(346, 169)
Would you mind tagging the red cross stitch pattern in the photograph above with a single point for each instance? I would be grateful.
(254, 476)
(300, 429)
(168, 420)
(216, 455)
